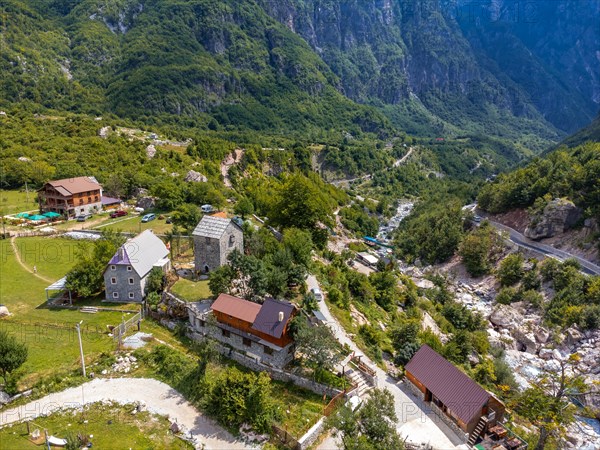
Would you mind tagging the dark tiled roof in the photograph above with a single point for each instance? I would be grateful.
(236, 307)
(463, 396)
(267, 321)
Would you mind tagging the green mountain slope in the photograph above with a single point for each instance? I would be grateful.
(221, 63)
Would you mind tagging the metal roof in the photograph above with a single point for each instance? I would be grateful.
(236, 307)
(141, 252)
(69, 186)
(267, 321)
(110, 200)
(58, 285)
(211, 227)
(463, 396)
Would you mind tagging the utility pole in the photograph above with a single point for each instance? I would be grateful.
(78, 326)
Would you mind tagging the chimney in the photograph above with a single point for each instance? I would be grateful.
(120, 254)
(281, 316)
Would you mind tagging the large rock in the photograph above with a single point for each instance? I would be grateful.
(573, 336)
(541, 335)
(195, 177)
(150, 151)
(546, 354)
(558, 216)
(146, 203)
(525, 341)
(505, 316)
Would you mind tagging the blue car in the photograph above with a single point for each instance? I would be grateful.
(148, 218)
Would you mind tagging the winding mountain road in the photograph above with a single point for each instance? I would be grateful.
(396, 163)
(546, 250)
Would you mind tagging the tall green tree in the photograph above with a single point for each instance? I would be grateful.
(12, 354)
(372, 426)
(547, 403)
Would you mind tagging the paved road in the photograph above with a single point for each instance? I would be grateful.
(415, 421)
(546, 250)
(159, 398)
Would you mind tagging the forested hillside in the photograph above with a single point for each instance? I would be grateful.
(307, 66)
(572, 173)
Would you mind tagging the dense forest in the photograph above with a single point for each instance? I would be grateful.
(572, 173)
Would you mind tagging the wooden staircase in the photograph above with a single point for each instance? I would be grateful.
(481, 426)
(359, 380)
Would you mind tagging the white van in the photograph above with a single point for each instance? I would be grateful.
(317, 293)
(206, 209)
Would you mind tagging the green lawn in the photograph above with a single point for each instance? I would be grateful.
(133, 224)
(49, 333)
(112, 426)
(12, 202)
(191, 291)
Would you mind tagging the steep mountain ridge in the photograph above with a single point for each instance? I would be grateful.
(310, 65)
(476, 56)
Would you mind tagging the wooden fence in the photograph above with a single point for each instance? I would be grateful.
(285, 437)
(120, 330)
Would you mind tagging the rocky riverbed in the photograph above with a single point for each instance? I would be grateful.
(531, 348)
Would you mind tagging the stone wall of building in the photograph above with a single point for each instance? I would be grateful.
(232, 239)
(244, 342)
(122, 287)
(274, 372)
(213, 252)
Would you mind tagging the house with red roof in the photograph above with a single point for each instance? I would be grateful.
(71, 197)
(260, 331)
(464, 405)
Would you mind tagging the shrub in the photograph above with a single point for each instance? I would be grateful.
(511, 269)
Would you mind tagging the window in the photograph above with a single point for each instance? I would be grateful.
(81, 201)
(131, 295)
(200, 322)
(115, 295)
(267, 350)
(207, 241)
(129, 268)
(89, 199)
(231, 240)
(113, 281)
(225, 332)
(113, 268)
(131, 281)
(247, 342)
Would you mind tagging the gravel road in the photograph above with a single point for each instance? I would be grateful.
(158, 397)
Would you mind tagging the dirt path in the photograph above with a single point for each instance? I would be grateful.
(158, 397)
(17, 253)
(396, 163)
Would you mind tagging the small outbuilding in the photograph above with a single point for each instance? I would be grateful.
(462, 403)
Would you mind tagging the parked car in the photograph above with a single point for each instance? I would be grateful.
(317, 293)
(138, 209)
(477, 219)
(120, 213)
(83, 217)
(206, 208)
(148, 217)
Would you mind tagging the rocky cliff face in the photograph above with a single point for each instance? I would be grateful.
(535, 59)
(558, 216)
